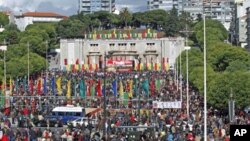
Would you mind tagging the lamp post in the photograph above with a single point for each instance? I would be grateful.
(104, 95)
(205, 80)
(4, 49)
(187, 83)
(139, 99)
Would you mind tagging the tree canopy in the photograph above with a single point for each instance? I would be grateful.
(227, 66)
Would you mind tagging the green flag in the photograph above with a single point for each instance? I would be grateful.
(25, 84)
(125, 98)
(92, 90)
(82, 89)
(2, 96)
(158, 84)
(145, 86)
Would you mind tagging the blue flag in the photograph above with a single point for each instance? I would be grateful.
(114, 86)
(44, 86)
(53, 85)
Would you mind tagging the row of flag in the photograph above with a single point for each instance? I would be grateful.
(95, 67)
(123, 89)
(124, 35)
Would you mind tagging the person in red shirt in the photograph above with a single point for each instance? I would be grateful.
(5, 137)
(227, 138)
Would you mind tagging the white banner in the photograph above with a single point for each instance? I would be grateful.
(166, 105)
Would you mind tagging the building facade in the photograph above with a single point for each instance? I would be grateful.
(248, 28)
(220, 10)
(91, 6)
(238, 29)
(85, 51)
(25, 19)
(162, 4)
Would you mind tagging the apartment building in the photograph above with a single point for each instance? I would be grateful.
(91, 6)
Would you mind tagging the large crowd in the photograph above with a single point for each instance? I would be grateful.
(132, 118)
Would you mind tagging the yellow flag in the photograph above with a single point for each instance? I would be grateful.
(11, 87)
(130, 89)
(69, 90)
(58, 85)
(149, 30)
(120, 88)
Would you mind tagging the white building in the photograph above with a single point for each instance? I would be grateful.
(162, 4)
(88, 51)
(25, 19)
(91, 6)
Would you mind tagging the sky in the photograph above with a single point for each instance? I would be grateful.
(65, 7)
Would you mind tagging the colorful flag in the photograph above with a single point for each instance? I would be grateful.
(31, 86)
(120, 88)
(39, 86)
(114, 86)
(44, 86)
(130, 88)
(2, 95)
(25, 84)
(68, 95)
(125, 98)
(92, 91)
(11, 86)
(145, 86)
(99, 88)
(158, 84)
(58, 85)
(82, 89)
(53, 85)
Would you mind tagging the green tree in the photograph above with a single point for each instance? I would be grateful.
(172, 25)
(4, 19)
(126, 16)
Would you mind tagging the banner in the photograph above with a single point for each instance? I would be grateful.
(166, 105)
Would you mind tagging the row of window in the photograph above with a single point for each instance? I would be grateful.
(121, 44)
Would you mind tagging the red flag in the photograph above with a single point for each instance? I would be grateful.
(73, 68)
(88, 88)
(39, 85)
(77, 61)
(99, 88)
(31, 86)
(152, 87)
(65, 62)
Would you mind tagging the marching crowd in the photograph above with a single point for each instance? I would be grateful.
(123, 115)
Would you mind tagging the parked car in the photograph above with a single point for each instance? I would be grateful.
(53, 122)
(82, 121)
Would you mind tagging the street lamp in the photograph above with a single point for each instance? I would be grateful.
(205, 80)
(104, 95)
(139, 99)
(187, 83)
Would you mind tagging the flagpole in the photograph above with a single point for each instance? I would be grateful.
(205, 81)
(4, 68)
(28, 45)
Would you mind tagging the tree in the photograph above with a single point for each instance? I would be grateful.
(172, 25)
(4, 19)
(125, 16)
(215, 32)
(71, 28)
(19, 66)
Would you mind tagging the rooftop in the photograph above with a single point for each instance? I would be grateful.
(42, 14)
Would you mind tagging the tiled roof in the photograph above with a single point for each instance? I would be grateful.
(42, 14)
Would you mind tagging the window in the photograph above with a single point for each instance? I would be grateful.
(111, 45)
(132, 44)
(93, 45)
(122, 44)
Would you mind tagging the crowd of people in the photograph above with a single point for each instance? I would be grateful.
(128, 118)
